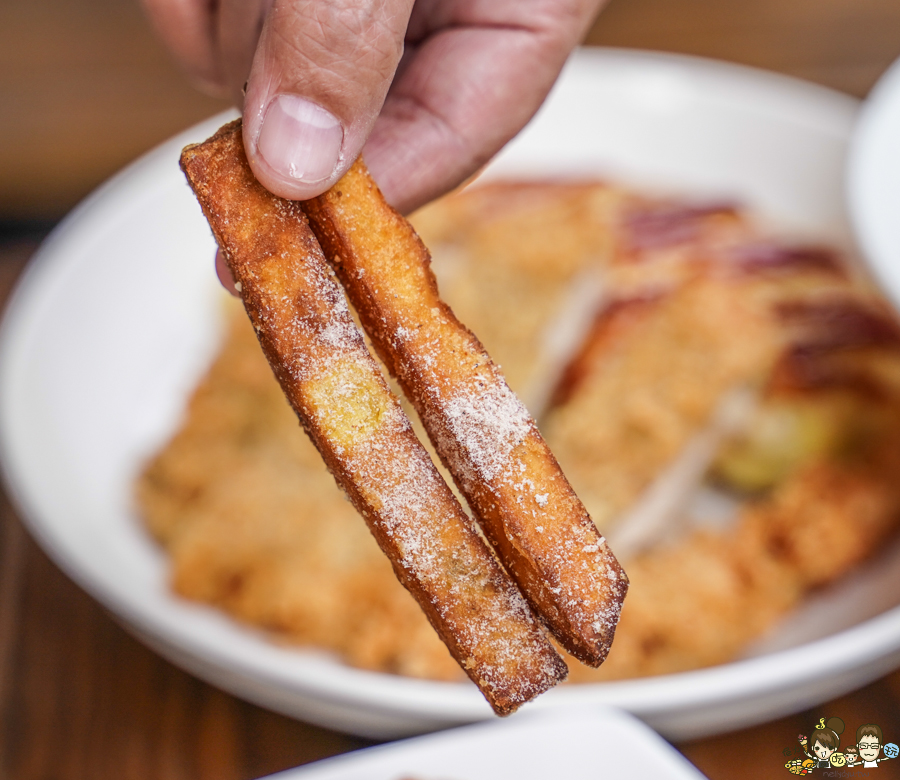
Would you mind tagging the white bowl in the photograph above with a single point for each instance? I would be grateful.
(874, 180)
(116, 319)
(578, 744)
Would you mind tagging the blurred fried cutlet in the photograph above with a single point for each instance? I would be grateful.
(815, 465)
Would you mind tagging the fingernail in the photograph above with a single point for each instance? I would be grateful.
(300, 139)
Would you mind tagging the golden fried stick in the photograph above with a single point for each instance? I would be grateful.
(482, 432)
(343, 402)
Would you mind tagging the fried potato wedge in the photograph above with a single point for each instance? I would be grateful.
(337, 390)
(485, 436)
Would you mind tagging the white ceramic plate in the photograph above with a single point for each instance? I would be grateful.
(874, 181)
(116, 319)
(579, 744)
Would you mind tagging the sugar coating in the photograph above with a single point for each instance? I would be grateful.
(480, 429)
(484, 433)
(489, 422)
(423, 553)
(332, 382)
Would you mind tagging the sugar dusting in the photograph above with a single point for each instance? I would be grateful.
(405, 499)
(491, 444)
(478, 423)
(504, 649)
(337, 390)
(488, 422)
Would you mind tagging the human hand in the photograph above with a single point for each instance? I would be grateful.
(430, 90)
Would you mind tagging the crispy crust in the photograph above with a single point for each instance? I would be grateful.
(482, 432)
(343, 402)
(617, 316)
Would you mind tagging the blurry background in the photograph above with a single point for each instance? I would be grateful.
(85, 88)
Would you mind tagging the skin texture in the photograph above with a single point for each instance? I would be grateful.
(431, 89)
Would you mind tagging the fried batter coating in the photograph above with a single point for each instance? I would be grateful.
(480, 429)
(336, 389)
(649, 375)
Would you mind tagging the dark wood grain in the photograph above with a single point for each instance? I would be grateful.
(84, 87)
(84, 699)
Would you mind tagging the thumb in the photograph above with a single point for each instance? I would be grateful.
(319, 78)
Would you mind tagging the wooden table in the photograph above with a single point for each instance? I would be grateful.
(84, 87)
